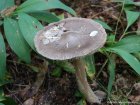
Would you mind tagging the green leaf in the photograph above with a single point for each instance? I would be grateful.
(2, 57)
(103, 24)
(29, 27)
(1, 104)
(34, 68)
(32, 5)
(110, 39)
(61, 63)
(6, 3)
(1, 94)
(129, 7)
(78, 94)
(137, 55)
(3, 82)
(1, 22)
(131, 18)
(56, 72)
(44, 16)
(130, 44)
(89, 65)
(9, 101)
(68, 68)
(125, 1)
(80, 102)
(61, 16)
(130, 59)
(112, 73)
(16, 40)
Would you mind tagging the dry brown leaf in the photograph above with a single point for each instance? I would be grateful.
(7, 11)
(137, 86)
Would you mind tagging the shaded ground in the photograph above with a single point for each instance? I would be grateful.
(60, 90)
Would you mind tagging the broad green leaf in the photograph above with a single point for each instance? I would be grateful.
(1, 22)
(1, 104)
(110, 39)
(103, 24)
(131, 18)
(56, 72)
(61, 63)
(130, 59)
(112, 74)
(1, 94)
(32, 5)
(68, 68)
(89, 65)
(6, 3)
(80, 102)
(44, 16)
(137, 55)
(29, 27)
(2, 58)
(78, 94)
(129, 44)
(3, 82)
(129, 7)
(16, 40)
(9, 101)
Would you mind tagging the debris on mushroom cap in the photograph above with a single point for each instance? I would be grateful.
(70, 38)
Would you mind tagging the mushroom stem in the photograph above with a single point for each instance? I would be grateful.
(82, 81)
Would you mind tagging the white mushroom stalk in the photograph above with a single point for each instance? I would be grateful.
(82, 82)
(72, 38)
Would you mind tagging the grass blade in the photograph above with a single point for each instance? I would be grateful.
(112, 74)
(2, 58)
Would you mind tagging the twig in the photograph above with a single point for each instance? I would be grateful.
(14, 96)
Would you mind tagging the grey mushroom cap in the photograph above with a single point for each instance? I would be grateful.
(78, 38)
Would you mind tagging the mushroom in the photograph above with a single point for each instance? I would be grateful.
(72, 38)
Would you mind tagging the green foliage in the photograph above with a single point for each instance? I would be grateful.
(130, 59)
(16, 39)
(5, 81)
(89, 65)
(131, 18)
(110, 39)
(1, 22)
(29, 27)
(9, 101)
(112, 73)
(32, 5)
(6, 3)
(57, 72)
(125, 1)
(78, 94)
(129, 44)
(68, 68)
(62, 65)
(103, 24)
(1, 94)
(2, 58)
(44, 16)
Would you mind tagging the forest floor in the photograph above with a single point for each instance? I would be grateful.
(60, 90)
